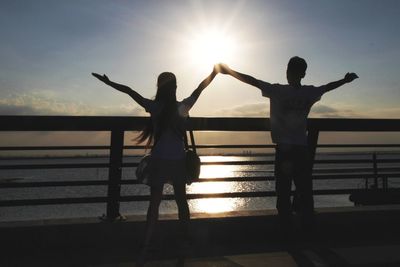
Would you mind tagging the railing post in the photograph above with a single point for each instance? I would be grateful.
(114, 175)
(375, 166)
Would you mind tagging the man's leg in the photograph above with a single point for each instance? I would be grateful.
(283, 181)
(304, 187)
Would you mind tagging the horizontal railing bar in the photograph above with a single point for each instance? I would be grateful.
(54, 166)
(239, 162)
(62, 166)
(53, 201)
(389, 169)
(335, 191)
(12, 148)
(134, 181)
(318, 161)
(271, 162)
(354, 170)
(223, 179)
(106, 165)
(236, 146)
(331, 176)
(201, 180)
(238, 194)
(344, 161)
(273, 146)
(272, 178)
(357, 145)
(208, 146)
(53, 184)
(353, 176)
(204, 196)
(135, 164)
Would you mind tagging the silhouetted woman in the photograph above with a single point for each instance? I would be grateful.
(164, 130)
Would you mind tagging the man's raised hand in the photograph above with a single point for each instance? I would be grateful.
(349, 77)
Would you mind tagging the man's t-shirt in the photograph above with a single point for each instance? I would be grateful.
(289, 108)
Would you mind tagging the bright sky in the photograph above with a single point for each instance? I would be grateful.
(49, 48)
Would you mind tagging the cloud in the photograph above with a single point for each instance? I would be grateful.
(9, 109)
(324, 111)
(385, 113)
(42, 104)
(262, 110)
(245, 110)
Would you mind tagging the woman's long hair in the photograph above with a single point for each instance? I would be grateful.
(166, 97)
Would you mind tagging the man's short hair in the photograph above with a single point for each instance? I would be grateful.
(297, 65)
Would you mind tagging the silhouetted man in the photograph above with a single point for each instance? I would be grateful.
(290, 105)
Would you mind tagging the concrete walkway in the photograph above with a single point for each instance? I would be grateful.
(361, 256)
(354, 237)
(369, 256)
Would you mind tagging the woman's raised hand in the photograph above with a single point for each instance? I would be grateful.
(102, 78)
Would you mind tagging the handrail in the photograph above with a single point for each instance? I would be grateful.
(118, 125)
(108, 123)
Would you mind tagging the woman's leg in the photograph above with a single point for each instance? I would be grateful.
(152, 212)
(152, 217)
(183, 207)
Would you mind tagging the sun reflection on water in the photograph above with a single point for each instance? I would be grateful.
(215, 205)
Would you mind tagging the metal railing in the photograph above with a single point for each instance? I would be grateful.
(118, 125)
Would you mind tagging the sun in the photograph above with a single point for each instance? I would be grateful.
(212, 46)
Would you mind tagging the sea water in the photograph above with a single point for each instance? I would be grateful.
(211, 205)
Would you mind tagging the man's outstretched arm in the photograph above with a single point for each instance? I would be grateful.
(349, 77)
(222, 68)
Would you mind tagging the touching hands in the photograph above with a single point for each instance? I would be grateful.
(349, 77)
(102, 78)
(222, 68)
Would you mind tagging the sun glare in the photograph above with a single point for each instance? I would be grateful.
(211, 47)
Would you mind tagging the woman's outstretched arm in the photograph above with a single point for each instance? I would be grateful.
(122, 88)
(196, 93)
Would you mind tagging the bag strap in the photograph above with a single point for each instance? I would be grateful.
(191, 140)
